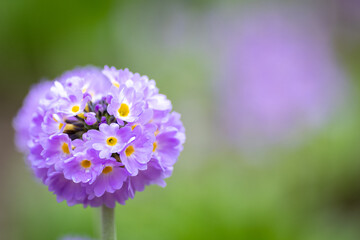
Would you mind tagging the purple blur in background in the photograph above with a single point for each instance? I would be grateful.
(279, 77)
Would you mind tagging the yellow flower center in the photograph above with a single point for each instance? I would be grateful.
(133, 126)
(124, 110)
(60, 125)
(116, 84)
(129, 150)
(111, 141)
(65, 148)
(85, 163)
(154, 146)
(157, 132)
(75, 108)
(107, 169)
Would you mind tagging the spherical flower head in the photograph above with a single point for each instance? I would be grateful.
(96, 137)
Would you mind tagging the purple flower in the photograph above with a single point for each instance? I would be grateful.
(110, 139)
(144, 119)
(83, 167)
(74, 103)
(90, 118)
(92, 81)
(79, 146)
(96, 137)
(53, 123)
(159, 102)
(56, 149)
(117, 77)
(126, 105)
(111, 179)
(137, 153)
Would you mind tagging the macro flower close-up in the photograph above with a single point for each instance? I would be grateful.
(179, 120)
(98, 145)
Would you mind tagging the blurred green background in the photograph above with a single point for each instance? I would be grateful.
(308, 189)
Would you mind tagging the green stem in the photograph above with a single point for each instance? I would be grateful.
(108, 231)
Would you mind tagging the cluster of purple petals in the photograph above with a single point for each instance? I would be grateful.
(95, 137)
